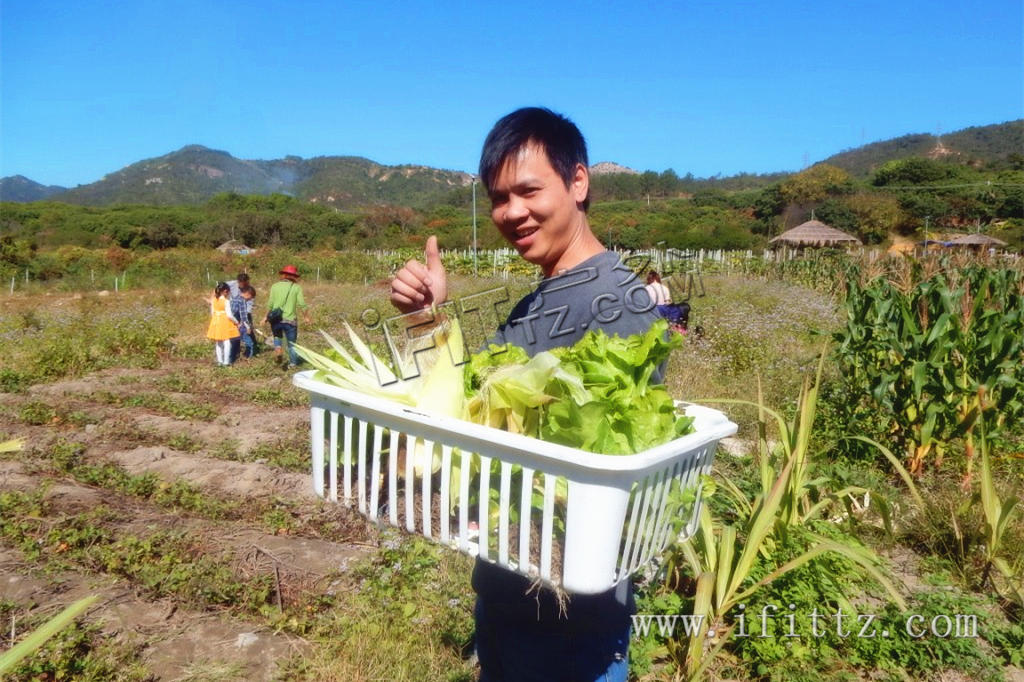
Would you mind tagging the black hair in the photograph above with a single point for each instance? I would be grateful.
(561, 140)
(242, 277)
(221, 286)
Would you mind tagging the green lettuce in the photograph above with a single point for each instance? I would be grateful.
(602, 395)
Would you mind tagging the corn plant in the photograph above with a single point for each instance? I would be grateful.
(723, 557)
(998, 513)
(804, 497)
(938, 355)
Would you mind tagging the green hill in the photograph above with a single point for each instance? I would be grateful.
(348, 181)
(969, 146)
(20, 188)
(194, 174)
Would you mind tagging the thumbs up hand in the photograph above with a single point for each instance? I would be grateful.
(417, 286)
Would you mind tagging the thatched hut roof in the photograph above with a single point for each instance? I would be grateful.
(977, 240)
(815, 233)
(234, 246)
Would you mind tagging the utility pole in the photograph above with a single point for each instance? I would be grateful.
(474, 226)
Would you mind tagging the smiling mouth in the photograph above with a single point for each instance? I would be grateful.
(526, 233)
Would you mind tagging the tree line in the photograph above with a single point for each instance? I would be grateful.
(628, 210)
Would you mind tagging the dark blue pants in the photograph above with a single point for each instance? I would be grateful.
(511, 652)
(290, 332)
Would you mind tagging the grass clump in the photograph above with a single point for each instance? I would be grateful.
(175, 407)
(408, 618)
(165, 564)
(68, 458)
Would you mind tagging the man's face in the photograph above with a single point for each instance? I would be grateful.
(536, 212)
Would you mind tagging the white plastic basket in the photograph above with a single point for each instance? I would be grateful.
(614, 516)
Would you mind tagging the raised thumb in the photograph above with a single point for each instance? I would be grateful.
(433, 255)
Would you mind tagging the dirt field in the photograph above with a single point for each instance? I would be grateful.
(180, 493)
(308, 553)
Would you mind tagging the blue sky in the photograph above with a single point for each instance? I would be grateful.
(87, 87)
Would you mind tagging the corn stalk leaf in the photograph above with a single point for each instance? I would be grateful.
(726, 549)
(900, 469)
(701, 607)
(762, 521)
(38, 637)
(834, 497)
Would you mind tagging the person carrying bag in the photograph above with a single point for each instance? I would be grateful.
(283, 303)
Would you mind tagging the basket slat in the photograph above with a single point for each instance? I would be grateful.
(332, 472)
(446, 465)
(364, 444)
(483, 522)
(425, 495)
(317, 435)
(503, 511)
(547, 526)
(467, 458)
(410, 505)
(348, 459)
(525, 509)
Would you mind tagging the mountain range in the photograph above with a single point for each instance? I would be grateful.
(194, 173)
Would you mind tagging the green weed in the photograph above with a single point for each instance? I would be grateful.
(277, 398)
(14, 381)
(226, 449)
(185, 443)
(81, 418)
(409, 619)
(68, 457)
(36, 413)
(182, 409)
(931, 652)
(285, 453)
(164, 564)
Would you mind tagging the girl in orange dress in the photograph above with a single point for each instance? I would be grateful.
(223, 326)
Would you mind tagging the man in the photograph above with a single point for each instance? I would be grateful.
(286, 294)
(535, 170)
(238, 283)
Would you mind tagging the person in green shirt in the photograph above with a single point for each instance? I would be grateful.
(286, 295)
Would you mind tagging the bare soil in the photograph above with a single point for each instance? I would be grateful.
(176, 639)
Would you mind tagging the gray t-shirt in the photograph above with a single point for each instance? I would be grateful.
(601, 292)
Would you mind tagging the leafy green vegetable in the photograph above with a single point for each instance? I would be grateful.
(628, 409)
(598, 395)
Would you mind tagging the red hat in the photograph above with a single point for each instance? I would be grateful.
(289, 270)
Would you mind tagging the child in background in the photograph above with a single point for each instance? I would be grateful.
(240, 308)
(656, 290)
(223, 325)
